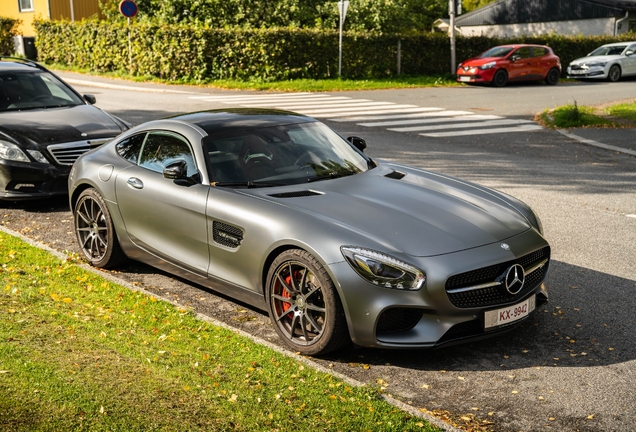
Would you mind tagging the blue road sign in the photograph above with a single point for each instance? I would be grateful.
(128, 8)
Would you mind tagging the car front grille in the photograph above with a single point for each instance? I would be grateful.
(577, 67)
(470, 289)
(67, 153)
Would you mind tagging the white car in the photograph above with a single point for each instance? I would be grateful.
(609, 62)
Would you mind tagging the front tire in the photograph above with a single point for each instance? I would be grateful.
(304, 305)
(614, 73)
(500, 79)
(95, 232)
(552, 77)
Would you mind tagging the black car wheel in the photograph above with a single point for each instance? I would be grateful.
(304, 305)
(500, 79)
(614, 73)
(95, 232)
(553, 76)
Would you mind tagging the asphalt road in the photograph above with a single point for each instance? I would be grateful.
(572, 365)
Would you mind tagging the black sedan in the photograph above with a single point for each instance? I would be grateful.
(45, 126)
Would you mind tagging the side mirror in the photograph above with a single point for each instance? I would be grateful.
(629, 53)
(91, 99)
(178, 171)
(515, 57)
(358, 142)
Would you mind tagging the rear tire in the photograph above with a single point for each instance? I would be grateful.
(304, 305)
(614, 73)
(552, 77)
(95, 232)
(500, 79)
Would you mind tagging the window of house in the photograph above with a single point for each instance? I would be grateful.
(25, 5)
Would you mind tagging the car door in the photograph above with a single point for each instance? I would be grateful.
(520, 65)
(539, 62)
(162, 216)
(629, 61)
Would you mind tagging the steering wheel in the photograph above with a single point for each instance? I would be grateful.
(40, 97)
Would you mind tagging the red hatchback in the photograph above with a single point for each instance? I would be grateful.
(506, 63)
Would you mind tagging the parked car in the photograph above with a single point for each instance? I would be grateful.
(608, 62)
(44, 126)
(277, 210)
(509, 63)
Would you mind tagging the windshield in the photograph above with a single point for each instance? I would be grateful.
(281, 155)
(32, 90)
(496, 52)
(608, 50)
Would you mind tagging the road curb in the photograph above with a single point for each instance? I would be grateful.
(596, 143)
(307, 361)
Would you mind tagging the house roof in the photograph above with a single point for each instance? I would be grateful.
(528, 11)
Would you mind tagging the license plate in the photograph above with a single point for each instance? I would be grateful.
(578, 72)
(510, 314)
(464, 78)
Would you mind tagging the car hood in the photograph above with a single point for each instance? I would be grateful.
(595, 59)
(477, 61)
(422, 214)
(58, 125)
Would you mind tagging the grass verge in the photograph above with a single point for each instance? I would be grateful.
(78, 352)
(575, 116)
(299, 85)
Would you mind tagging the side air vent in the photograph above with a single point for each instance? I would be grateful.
(295, 194)
(227, 235)
(397, 175)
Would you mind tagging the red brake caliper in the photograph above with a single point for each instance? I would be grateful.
(286, 294)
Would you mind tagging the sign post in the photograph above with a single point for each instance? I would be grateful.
(128, 8)
(342, 9)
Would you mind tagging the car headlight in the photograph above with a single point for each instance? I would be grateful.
(383, 270)
(488, 65)
(38, 156)
(597, 64)
(12, 152)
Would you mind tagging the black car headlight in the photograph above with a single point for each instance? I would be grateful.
(383, 270)
(9, 151)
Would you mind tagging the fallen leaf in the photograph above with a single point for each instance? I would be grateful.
(515, 391)
(552, 419)
(590, 417)
(461, 378)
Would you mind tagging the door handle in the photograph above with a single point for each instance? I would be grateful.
(135, 182)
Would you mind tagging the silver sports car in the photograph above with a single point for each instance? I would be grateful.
(277, 210)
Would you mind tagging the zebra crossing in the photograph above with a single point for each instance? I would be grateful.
(426, 121)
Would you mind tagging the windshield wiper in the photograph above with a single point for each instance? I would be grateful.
(248, 184)
(331, 175)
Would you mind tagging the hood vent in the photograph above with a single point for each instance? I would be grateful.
(397, 175)
(226, 235)
(295, 194)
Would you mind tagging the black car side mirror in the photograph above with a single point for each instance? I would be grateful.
(91, 99)
(358, 142)
(178, 171)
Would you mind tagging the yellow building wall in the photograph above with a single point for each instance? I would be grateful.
(48, 9)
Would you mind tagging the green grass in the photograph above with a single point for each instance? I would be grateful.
(574, 116)
(625, 111)
(78, 352)
(304, 85)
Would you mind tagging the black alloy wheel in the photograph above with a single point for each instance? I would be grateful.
(304, 305)
(94, 230)
(500, 79)
(552, 77)
(614, 73)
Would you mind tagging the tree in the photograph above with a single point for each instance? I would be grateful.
(470, 5)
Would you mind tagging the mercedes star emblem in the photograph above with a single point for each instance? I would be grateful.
(514, 279)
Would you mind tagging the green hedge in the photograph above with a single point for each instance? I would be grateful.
(8, 29)
(182, 52)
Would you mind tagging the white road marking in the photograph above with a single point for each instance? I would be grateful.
(523, 128)
(462, 125)
(336, 108)
(596, 143)
(631, 216)
(254, 96)
(329, 111)
(311, 102)
(475, 117)
(357, 113)
(419, 112)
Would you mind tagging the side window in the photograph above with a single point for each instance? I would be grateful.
(522, 53)
(539, 52)
(162, 148)
(130, 148)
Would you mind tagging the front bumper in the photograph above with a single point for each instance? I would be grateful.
(381, 317)
(593, 72)
(26, 181)
(475, 75)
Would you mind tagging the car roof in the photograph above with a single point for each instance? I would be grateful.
(620, 43)
(521, 46)
(16, 64)
(213, 121)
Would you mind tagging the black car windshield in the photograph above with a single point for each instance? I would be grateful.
(22, 90)
(496, 52)
(608, 50)
(281, 155)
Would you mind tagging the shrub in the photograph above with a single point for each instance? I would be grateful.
(8, 30)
